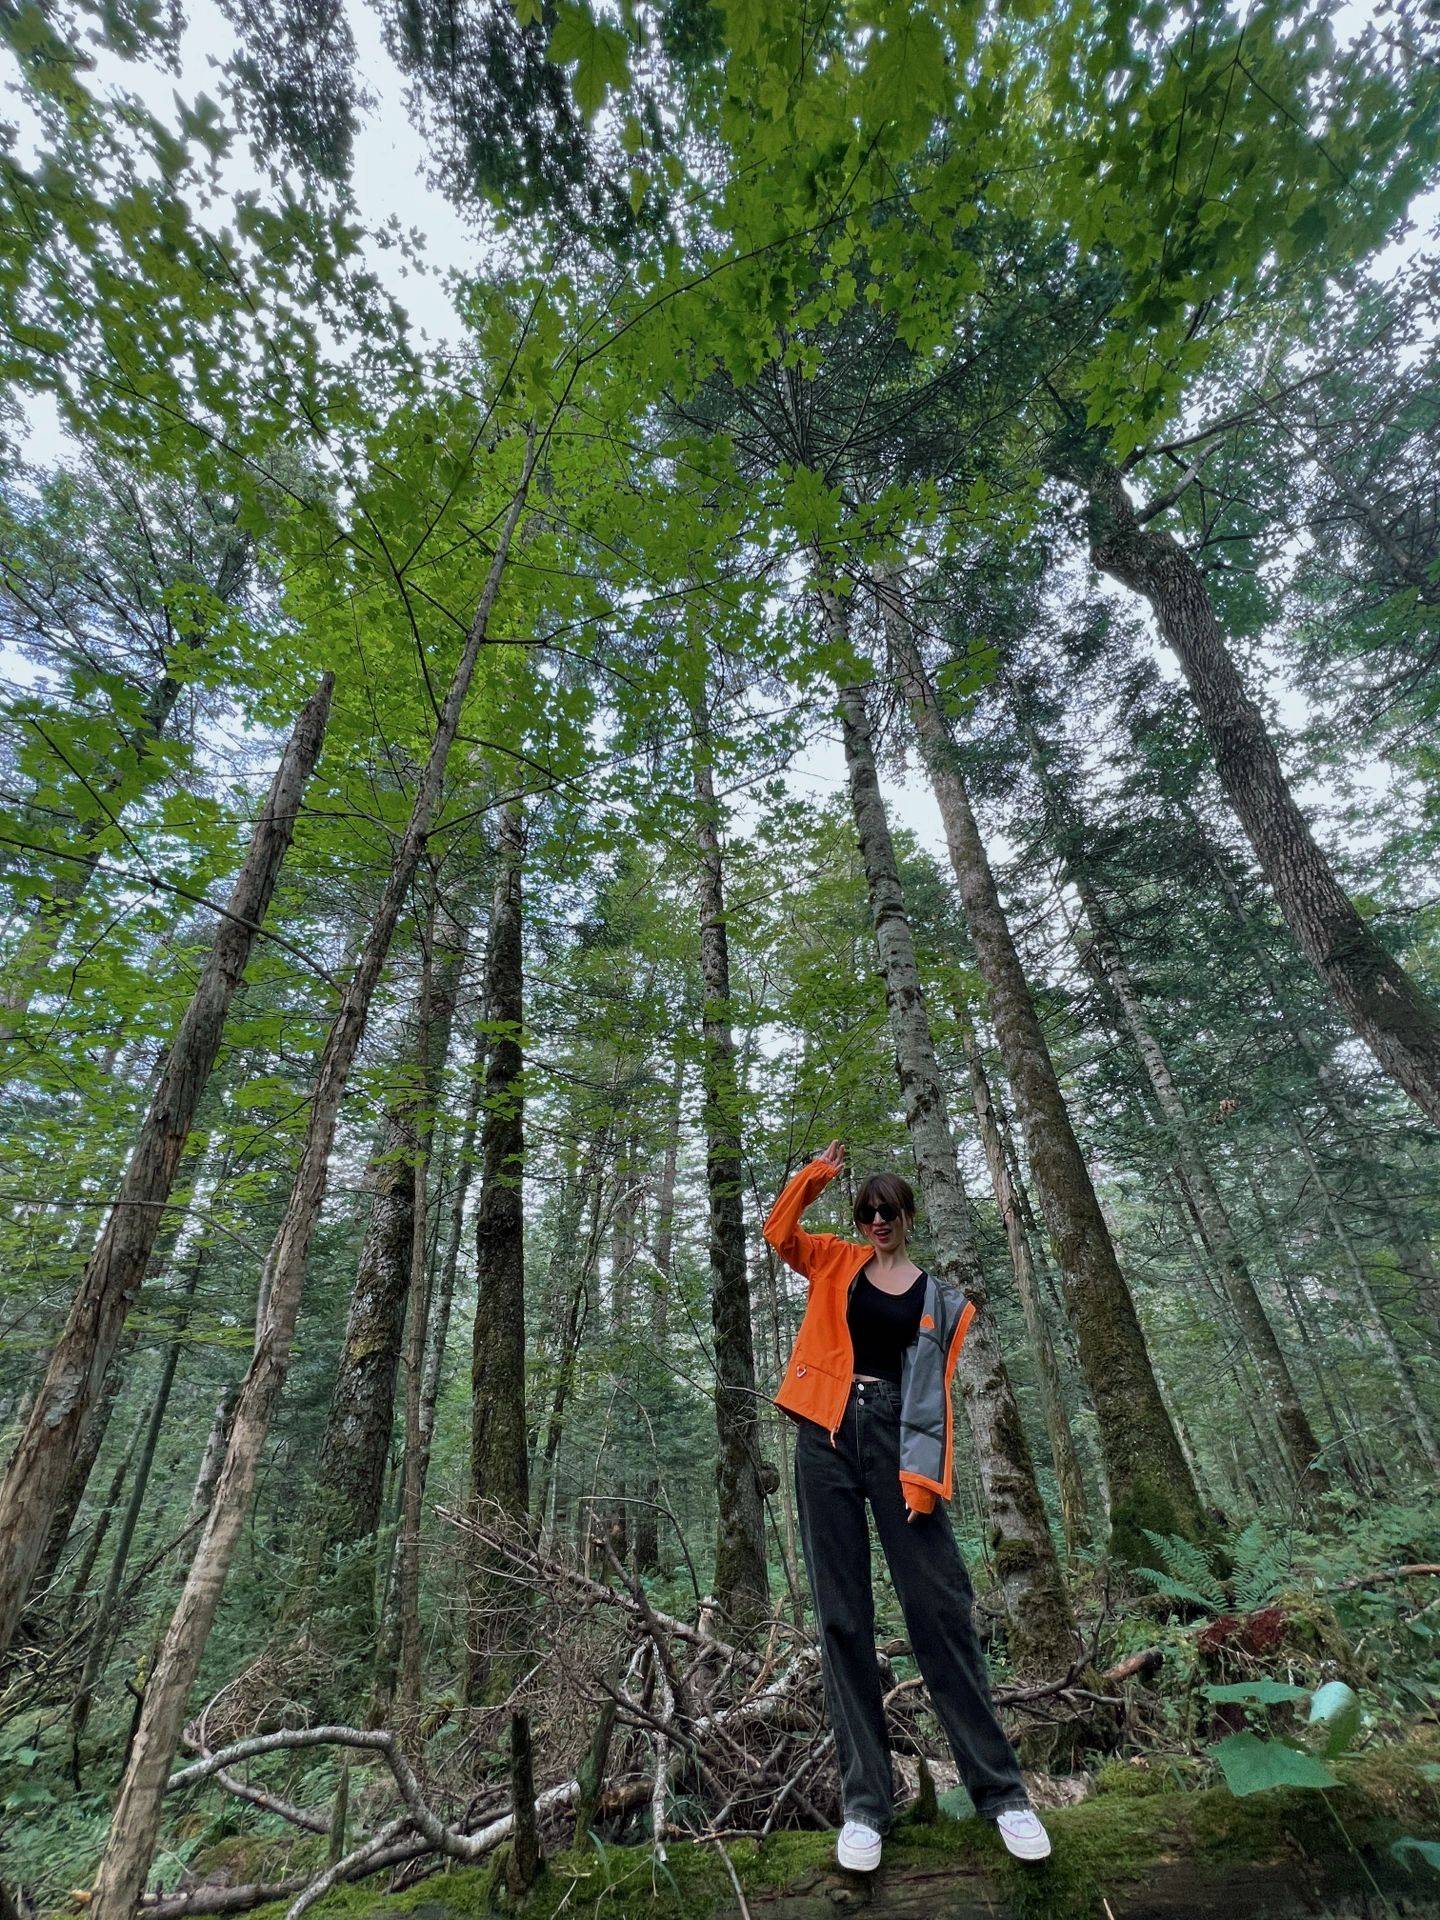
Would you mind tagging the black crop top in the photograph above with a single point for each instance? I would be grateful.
(882, 1325)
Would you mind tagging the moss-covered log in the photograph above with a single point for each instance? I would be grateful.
(1132, 1851)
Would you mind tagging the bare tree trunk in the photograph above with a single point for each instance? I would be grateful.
(136, 1823)
(45, 1453)
(499, 1457)
(438, 988)
(1150, 1484)
(647, 1522)
(1026, 1564)
(350, 1473)
(104, 1612)
(213, 1458)
(1301, 1448)
(742, 1585)
(1387, 1010)
(85, 1566)
(1074, 1511)
(591, 1177)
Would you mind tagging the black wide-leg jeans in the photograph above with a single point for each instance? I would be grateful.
(832, 1484)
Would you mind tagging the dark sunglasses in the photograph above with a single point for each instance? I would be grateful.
(882, 1210)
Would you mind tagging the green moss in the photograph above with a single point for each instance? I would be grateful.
(1104, 1848)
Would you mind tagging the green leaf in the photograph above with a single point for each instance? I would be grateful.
(1428, 1850)
(1260, 1693)
(1337, 1708)
(529, 12)
(600, 53)
(1253, 1765)
(905, 66)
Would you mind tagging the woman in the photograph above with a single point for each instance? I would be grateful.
(869, 1385)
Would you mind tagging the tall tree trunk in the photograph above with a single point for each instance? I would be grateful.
(647, 1521)
(136, 1822)
(402, 1647)
(437, 1008)
(1387, 1010)
(350, 1472)
(742, 1585)
(92, 1437)
(1074, 1511)
(1302, 1449)
(1150, 1484)
(109, 1507)
(499, 1458)
(1026, 1565)
(104, 1612)
(592, 1180)
(40, 1465)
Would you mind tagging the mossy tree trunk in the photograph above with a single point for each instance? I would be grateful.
(1150, 1483)
(1026, 1564)
(499, 1459)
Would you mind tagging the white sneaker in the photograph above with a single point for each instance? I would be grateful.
(1023, 1834)
(858, 1847)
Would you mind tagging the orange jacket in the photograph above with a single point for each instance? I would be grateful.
(817, 1381)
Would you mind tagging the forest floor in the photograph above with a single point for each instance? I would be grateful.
(1133, 1849)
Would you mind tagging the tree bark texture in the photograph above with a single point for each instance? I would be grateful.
(45, 1453)
(1026, 1565)
(741, 1580)
(1398, 1023)
(135, 1826)
(1149, 1482)
(350, 1471)
(1070, 1481)
(499, 1457)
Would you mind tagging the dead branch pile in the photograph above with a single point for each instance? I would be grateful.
(640, 1720)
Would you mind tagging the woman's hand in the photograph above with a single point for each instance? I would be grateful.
(834, 1155)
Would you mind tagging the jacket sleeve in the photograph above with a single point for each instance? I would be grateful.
(783, 1230)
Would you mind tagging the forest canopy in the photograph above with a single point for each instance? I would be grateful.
(596, 594)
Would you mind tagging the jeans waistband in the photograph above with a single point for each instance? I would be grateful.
(876, 1393)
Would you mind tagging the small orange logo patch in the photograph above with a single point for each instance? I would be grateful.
(927, 1320)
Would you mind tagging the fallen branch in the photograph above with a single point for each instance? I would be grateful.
(1383, 1574)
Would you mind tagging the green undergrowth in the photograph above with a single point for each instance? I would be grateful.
(1123, 1834)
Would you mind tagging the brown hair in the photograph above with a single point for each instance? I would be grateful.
(883, 1189)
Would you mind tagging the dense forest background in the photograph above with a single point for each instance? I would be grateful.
(874, 573)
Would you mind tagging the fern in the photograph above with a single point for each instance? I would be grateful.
(1188, 1566)
(1173, 1589)
(1260, 1568)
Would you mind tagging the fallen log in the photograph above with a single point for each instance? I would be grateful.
(1127, 1853)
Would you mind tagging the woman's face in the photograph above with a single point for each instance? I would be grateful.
(887, 1236)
